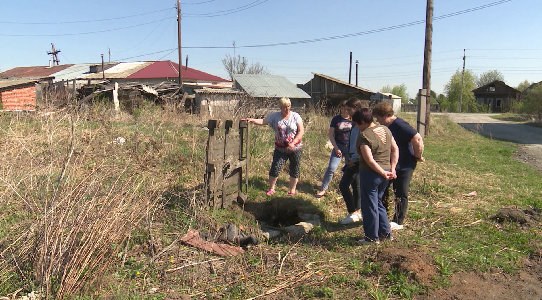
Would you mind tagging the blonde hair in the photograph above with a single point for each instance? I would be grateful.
(284, 101)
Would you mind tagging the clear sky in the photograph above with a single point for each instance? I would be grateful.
(291, 38)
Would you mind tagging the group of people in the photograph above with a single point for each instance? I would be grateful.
(377, 157)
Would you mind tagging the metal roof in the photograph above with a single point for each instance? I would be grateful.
(122, 70)
(169, 69)
(215, 91)
(16, 81)
(154, 69)
(73, 72)
(390, 95)
(258, 85)
(343, 82)
(36, 72)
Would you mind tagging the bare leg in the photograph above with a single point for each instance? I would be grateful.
(272, 182)
(293, 185)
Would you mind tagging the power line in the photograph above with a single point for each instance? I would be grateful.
(84, 21)
(203, 2)
(228, 11)
(404, 25)
(162, 51)
(90, 32)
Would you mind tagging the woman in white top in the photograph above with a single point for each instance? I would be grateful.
(288, 127)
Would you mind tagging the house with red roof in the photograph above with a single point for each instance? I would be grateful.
(154, 72)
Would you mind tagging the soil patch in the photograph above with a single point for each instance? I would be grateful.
(531, 155)
(464, 285)
(419, 265)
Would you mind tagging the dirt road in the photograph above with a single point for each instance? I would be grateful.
(528, 137)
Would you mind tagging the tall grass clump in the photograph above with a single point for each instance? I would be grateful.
(74, 187)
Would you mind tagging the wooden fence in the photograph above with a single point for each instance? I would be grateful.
(226, 162)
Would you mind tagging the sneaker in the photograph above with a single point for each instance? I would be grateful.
(367, 241)
(351, 218)
(320, 194)
(395, 226)
(387, 237)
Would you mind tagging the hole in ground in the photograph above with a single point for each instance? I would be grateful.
(281, 211)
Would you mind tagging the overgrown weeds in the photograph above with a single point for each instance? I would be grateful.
(93, 204)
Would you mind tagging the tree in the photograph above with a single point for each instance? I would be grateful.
(523, 85)
(239, 65)
(398, 90)
(533, 102)
(489, 77)
(453, 90)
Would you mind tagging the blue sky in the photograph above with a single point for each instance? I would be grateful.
(499, 34)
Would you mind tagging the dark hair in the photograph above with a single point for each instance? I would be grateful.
(383, 109)
(362, 116)
(353, 103)
(343, 103)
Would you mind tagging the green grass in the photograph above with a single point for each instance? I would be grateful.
(458, 232)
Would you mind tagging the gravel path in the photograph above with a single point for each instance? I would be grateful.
(528, 137)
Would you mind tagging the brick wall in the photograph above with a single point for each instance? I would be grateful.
(19, 98)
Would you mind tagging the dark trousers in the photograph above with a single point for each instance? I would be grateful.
(350, 178)
(400, 190)
(279, 158)
(375, 218)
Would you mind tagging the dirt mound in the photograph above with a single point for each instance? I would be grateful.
(420, 265)
(528, 217)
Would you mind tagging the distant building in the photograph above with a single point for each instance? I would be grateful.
(393, 100)
(154, 72)
(270, 87)
(496, 96)
(324, 88)
(18, 94)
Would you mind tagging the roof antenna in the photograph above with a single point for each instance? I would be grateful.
(54, 53)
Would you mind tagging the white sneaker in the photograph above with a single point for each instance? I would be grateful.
(351, 218)
(395, 226)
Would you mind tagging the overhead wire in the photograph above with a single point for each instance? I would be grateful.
(228, 11)
(90, 32)
(83, 21)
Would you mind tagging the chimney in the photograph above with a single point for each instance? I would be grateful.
(93, 69)
(50, 64)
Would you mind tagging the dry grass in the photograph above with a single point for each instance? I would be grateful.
(79, 193)
(81, 214)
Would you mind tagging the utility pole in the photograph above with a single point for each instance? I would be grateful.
(54, 53)
(350, 69)
(424, 108)
(462, 75)
(103, 69)
(179, 43)
(356, 73)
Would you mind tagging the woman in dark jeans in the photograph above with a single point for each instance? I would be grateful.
(350, 176)
(378, 157)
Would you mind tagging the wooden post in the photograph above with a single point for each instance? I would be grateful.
(421, 124)
(350, 69)
(116, 96)
(427, 68)
(179, 43)
(462, 74)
